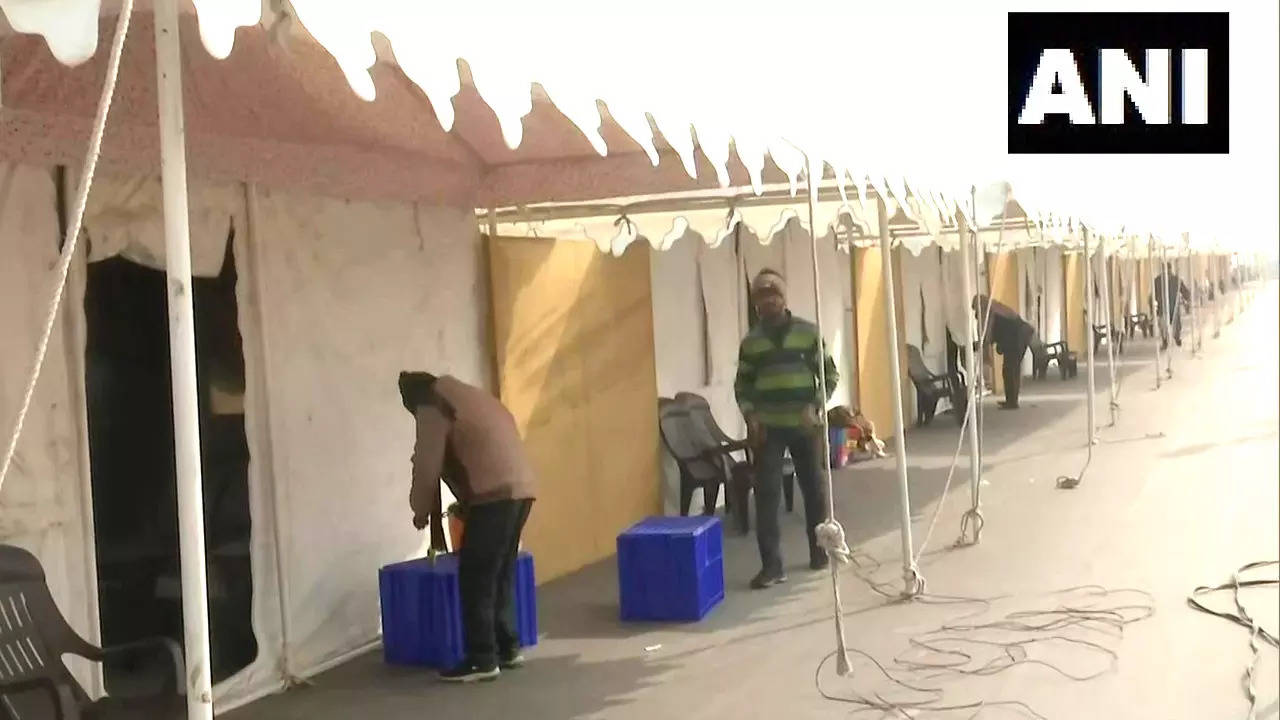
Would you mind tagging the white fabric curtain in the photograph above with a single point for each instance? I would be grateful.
(353, 293)
(125, 217)
(43, 503)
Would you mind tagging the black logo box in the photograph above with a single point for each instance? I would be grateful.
(1087, 33)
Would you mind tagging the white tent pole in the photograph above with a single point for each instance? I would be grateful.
(910, 574)
(971, 360)
(830, 528)
(182, 351)
(1151, 260)
(1166, 306)
(1110, 329)
(1217, 295)
(1088, 319)
(979, 372)
(1194, 277)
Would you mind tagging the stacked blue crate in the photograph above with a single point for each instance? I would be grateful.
(671, 569)
(421, 611)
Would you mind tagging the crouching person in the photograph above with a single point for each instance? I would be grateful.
(467, 437)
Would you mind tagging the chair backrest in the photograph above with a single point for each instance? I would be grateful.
(682, 436)
(916, 368)
(33, 633)
(700, 412)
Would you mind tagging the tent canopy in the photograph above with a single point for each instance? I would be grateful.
(559, 103)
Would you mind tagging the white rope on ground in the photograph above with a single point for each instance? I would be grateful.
(73, 230)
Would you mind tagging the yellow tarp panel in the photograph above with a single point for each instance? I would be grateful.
(875, 375)
(573, 333)
(1004, 277)
(1075, 304)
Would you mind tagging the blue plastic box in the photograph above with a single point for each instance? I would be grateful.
(421, 611)
(671, 569)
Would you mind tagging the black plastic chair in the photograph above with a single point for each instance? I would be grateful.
(1138, 321)
(1042, 355)
(34, 636)
(1100, 336)
(710, 435)
(700, 466)
(930, 387)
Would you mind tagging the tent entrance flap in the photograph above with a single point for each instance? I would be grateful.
(132, 465)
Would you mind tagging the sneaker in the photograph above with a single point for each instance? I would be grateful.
(766, 579)
(511, 660)
(470, 672)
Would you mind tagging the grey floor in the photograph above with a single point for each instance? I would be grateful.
(1179, 493)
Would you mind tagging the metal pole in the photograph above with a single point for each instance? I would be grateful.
(970, 357)
(1166, 305)
(182, 352)
(1194, 275)
(1110, 329)
(910, 576)
(1151, 260)
(1217, 296)
(1088, 318)
(979, 372)
(842, 659)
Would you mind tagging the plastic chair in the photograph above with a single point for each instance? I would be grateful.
(34, 636)
(930, 387)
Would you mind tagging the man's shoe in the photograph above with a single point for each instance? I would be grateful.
(469, 672)
(1008, 406)
(511, 660)
(767, 579)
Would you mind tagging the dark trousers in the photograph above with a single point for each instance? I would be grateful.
(768, 461)
(1012, 371)
(486, 578)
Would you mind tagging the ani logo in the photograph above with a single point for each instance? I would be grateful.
(1118, 83)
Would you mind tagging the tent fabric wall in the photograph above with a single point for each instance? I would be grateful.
(691, 279)
(351, 294)
(1075, 302)
(574, 344)
(43, 503)
(876, 377)
(924, 312)
(124, 216)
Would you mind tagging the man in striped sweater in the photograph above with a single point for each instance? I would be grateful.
(778, 392)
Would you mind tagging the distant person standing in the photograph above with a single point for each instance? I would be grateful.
(1012, 337)
(780, 398)
(1170, 314)
(467, 438)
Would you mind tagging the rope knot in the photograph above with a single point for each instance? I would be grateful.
(830, 537)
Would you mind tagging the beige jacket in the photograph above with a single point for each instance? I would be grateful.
(478, 453)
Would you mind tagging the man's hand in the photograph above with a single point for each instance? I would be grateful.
(420, 522)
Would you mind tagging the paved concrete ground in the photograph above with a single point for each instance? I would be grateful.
(1162, 514)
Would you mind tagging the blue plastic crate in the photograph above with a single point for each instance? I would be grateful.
(421, 611)
(671, 569)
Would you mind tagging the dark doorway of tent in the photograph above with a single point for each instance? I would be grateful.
(130, 412)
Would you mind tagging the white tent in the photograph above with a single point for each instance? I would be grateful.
(273, 120)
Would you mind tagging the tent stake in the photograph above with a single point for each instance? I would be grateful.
(182, 352)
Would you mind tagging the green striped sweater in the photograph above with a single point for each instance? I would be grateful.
(777, 382)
